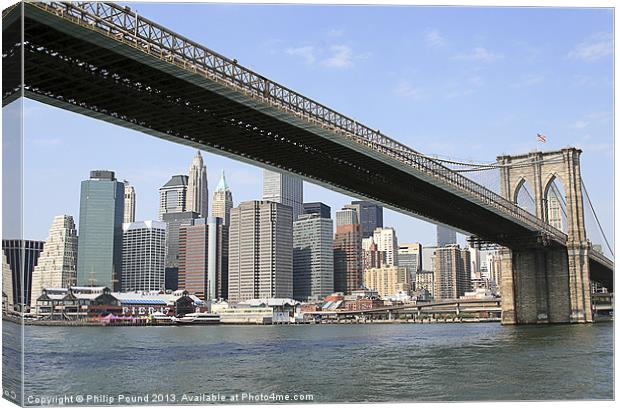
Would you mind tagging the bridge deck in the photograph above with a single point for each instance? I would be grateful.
(102, 60)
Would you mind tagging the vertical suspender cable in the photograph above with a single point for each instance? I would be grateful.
(596, 218)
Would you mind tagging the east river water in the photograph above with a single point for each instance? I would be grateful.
(330, 363)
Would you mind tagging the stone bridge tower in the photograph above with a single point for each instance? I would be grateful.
(546, 285)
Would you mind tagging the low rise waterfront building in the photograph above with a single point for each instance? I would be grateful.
(479, 294)
(145, 303)
(362, 293)
(363, 304)
(421, 295)
(78, 302)
(258, 311)
(75, 303)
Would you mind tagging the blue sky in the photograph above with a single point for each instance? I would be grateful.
(466, 83)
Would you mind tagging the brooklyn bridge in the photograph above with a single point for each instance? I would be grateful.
(104, 61)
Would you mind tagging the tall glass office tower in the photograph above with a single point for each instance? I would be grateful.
(284, 189)
(369, 216)
(445, 236)
(100, 237)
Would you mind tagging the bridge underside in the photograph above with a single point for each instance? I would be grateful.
(74, 68)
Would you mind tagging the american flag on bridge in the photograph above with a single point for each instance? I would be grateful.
(541, 138)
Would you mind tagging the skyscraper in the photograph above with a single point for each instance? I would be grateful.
(201, 259)
(324, 211)
(445, 236)
(217, 267)
(57, 264)
(386, 241)
(452, 274)
(100, 237)
(173, 196)
(284, 189)
(222, 200)
(494, 268)
(474, 260)
(193, 258)
(410, 256)
(16, 251)
(260, 261)
(372, 257)
(144, 251)
(130, 203)
(197, 187)
(369, 215)
(174, 221)
(346, 216)
(428, 254)
(347, 258)
(313, 257)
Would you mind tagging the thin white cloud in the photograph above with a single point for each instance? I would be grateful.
(601, 115)
(529, 80)
(592, 118)
(341, 57)
(307, 53)
(478, 54)
(434, 39)
(406, 90)
(593, 48)
(335, 32)
(583, 80)
(457, 93)
(335, 56)
(47, 141)
(475, 80)
(463, 86)
(590, 145)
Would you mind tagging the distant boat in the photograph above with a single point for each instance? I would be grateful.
(198, 319)
(160, 317)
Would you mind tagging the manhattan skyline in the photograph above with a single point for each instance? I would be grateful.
(556, 81)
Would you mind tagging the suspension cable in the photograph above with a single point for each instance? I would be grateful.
(524, 187)
(596, 218)
(561, 199)
(495, 165)
(484, 166)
